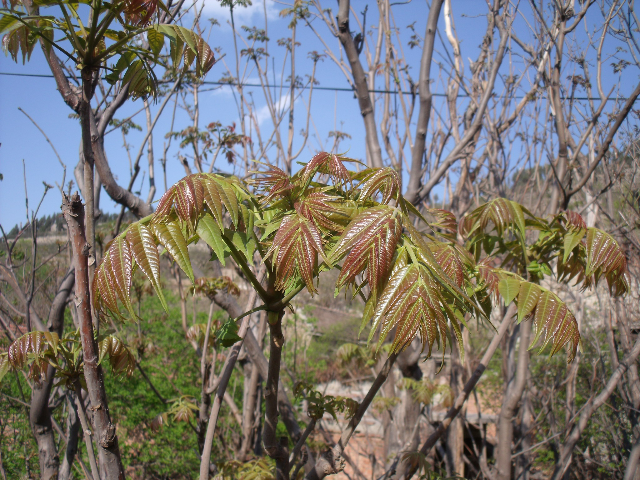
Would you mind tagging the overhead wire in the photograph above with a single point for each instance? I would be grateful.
(318, 87)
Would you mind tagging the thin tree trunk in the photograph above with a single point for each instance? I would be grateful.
(455, 435)
(424, 114)
(40, 419)
(360, 81)
(254, 350)
(272, 445)
(108, 451)
(39, 414)
(73, 428)
(252, 377)
(633, 462)
(510, 405)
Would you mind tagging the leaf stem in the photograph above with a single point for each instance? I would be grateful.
(75, 42)
(107, 53)
(246, 270)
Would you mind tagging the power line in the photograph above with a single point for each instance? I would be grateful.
(331, 89)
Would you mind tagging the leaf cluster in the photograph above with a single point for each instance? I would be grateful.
(110, 39)
(407, 265)
(318, 404)
(39, 350)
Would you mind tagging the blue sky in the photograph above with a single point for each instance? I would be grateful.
(20, 140)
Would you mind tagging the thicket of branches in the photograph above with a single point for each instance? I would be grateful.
(532, 145)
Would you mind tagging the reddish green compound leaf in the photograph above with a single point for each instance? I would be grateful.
(369, 243)
(104, 297)
(605, 257)
(575, 220)
(553, 322)
(295, 252)
(501, 212)
(139, 12)
(275, 182)
(219, 193)
(411, 303)
(197, 48)
(188, 197)
(317, 207)
(383, 180)
(329, 164)
(121, 358)
(112, 279)
(188, 200)
(449, 260)
(488, 276)
(31, 348)
(145, 252)
(34, 343)
(170, 235)
(444, 219)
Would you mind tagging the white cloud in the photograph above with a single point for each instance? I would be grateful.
(242, 15)
(264, 114)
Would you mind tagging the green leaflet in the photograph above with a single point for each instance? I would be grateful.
(156, 41)
(571, 240)
(509, 289)
(518, 217)
(196, 48)
(227, 334)
(270, 228)
(5, 366)
(170, 235)
(145, 253)
(209, 231)
(528, 296)
(367, 313)
(244, 243)
(8, 22)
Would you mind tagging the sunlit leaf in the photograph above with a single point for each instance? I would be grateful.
(411, 303)
(528, 296)
(501, 212)
(295, 250)
(274, 183)
(573, 237)
(122, 360)
(318, 207)
(145, 253)
(209, 231)
(383, 180)
(369, 243)
(170, 235)
(509, 289)
(329, 164)
(605, 257)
